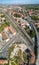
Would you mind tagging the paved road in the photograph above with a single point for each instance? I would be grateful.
(38, 58)
(29, 42)
(38, 52)
(30, 21)
(38, 55)
(7, 45)
(23, 31)
(10, 42)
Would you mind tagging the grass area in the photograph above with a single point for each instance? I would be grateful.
(6, 64)
(4, 25)
(34, 17)
(21, 56)
(12, 63)
(2, 15)
(24, 56)
(17, 15)
(10, 50)
(16, 60)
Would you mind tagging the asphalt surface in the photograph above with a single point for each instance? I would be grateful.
(10, 42)
(28, 40)
(38, 55)
(38, 52)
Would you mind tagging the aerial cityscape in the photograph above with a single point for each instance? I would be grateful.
(19, 32)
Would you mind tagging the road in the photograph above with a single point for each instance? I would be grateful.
(37, 63)
(29, 42)
(26, 37)
(15, 25)
(22, 31)
(37, 41)
(10, 42)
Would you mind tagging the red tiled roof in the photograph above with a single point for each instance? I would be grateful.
(4, 36)
(11, 30)
(32, 60)
(22, 24)
(3, 62)
(6, 28)
(31, 12)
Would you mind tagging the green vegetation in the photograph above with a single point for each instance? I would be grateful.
(21, 56)
(16, 60)
(26, 28)
(7, 23)
(6, 64)
(12, 63)
(32, 6)
(4, 25)
(10, 50)
(17, 15)
(2, 15)
(32, 33)
(24, 56)
(34, 18)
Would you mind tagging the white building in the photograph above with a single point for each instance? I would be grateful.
(0, 37)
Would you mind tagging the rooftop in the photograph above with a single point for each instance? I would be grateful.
(3, 62)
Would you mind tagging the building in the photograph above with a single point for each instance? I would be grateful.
(1, 38)
(2, 62)
(23, 24)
